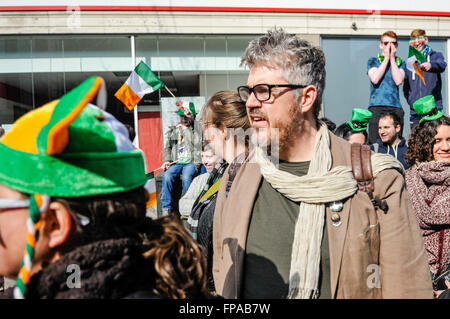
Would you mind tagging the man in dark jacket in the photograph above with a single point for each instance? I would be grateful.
(413, 87)
(390, 142)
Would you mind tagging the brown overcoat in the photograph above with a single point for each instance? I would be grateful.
(372, 254)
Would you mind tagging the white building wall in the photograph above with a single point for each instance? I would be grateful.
(156, 22)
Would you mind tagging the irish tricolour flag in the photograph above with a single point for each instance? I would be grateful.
(141, 81)
(414, 57)
(150, 186)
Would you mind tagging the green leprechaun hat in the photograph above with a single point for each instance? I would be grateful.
(426, 108)
(185, 104)
(66, 148)
(360, 119)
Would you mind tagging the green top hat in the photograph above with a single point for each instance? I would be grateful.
(426, 108)
(360, 119)
(182, 104)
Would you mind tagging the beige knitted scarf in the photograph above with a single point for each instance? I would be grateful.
(320, 186)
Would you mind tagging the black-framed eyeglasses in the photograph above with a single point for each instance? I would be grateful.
(263, 92)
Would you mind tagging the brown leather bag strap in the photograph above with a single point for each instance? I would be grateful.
(362, 172)
(362, 167)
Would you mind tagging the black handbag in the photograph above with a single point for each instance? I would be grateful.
(439, 281)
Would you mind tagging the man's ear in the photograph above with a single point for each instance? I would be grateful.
(398, 128)
(308, 96)
(58, 224)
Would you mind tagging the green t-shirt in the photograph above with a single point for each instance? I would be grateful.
(269, 242)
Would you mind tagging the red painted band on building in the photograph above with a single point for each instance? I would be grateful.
(224, 9)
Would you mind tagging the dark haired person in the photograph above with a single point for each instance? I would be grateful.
(390, 142)
(386, 72)
(330, 124)
(428, 181)
(72, 198)
(355, 130)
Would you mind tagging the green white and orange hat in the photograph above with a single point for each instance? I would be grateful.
(426, 109)
(66, 148)
(360, 119)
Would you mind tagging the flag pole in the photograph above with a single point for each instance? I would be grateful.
(135, 110)
(170, 91)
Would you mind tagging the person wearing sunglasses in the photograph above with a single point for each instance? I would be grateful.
(299, 228)
(386, 72)
(427, 79)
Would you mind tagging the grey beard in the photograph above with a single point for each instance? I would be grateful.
(291, 131)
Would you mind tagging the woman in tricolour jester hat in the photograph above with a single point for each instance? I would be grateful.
(72, 198)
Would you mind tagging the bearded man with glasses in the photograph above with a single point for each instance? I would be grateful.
(302, 229)
(386, 72)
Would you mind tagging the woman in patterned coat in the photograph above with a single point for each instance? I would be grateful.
(428, 182)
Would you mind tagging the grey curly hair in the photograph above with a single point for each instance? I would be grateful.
(298, 60)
